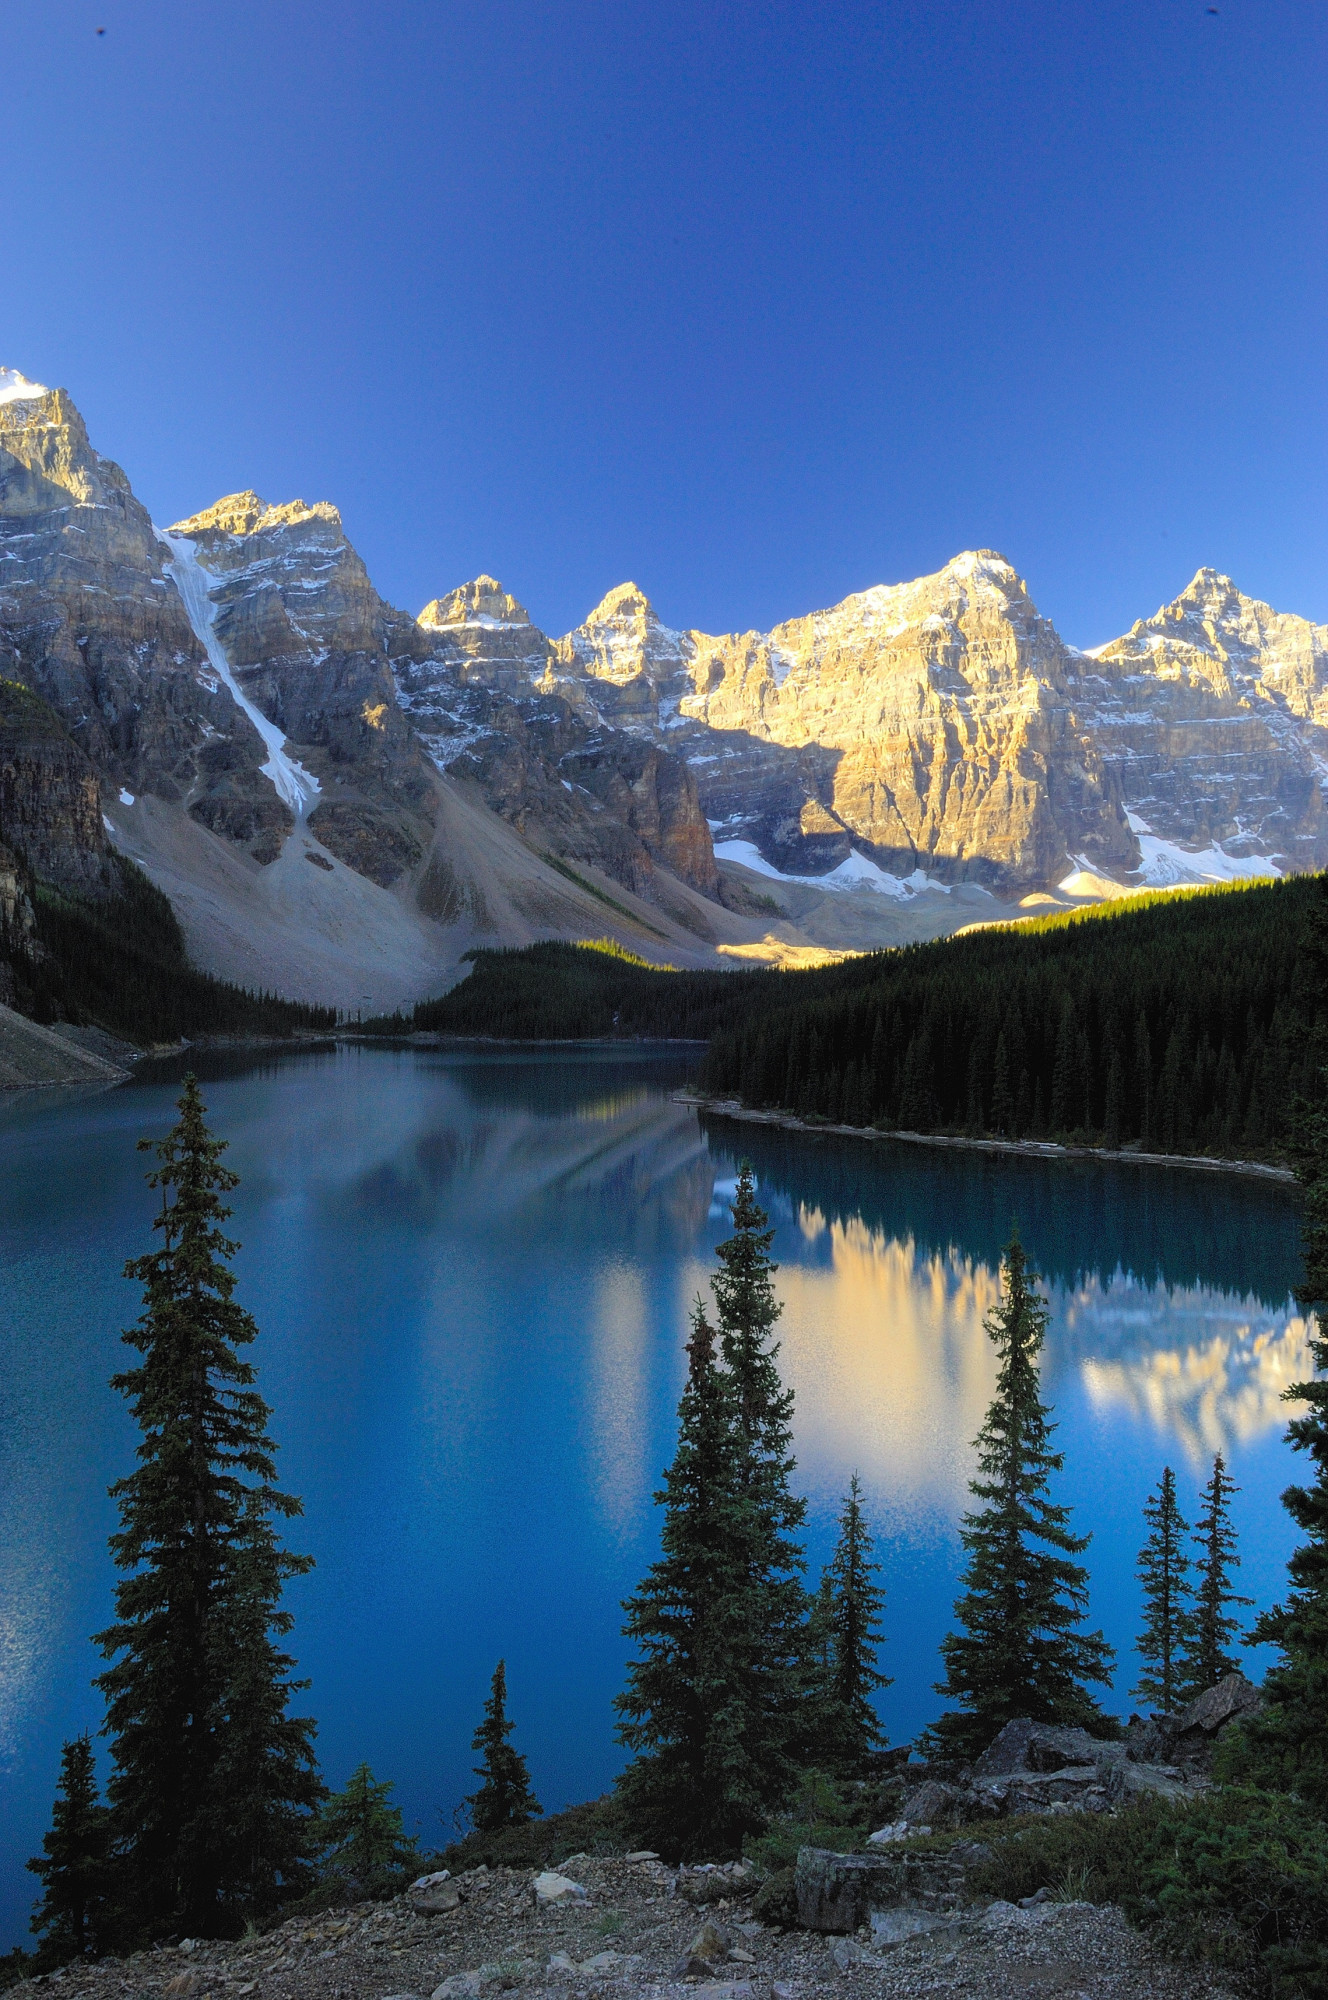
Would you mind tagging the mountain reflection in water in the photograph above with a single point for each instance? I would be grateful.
(472, 1272)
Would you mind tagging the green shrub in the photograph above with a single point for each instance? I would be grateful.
(818, 1816)
(1238, 1877)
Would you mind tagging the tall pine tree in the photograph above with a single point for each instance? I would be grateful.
(75, 1916)
(213, 1779)
(690, 1789)
(1019, 1652)
(714, 1701)
(504, 1797)
(846, 1634)
(1164, 1571)
(1205, 1660)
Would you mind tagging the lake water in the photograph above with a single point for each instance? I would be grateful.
(472, 1275)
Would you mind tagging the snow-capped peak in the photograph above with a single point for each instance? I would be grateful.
(16, 388)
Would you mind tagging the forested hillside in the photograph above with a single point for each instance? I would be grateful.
(117, 960)
(1176, 1023)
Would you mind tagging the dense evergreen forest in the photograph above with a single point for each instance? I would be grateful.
(118, 961)
(1176, 1023)
(576, 992)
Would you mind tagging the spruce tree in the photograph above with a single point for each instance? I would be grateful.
(1019, 1652)
(1205, 1660)
(213, 1780)
(774, 1598)
(847, 1633)
(504, 1797)
(1288, 1740)
(362, 1838)
(75, 1915)
(714, 1704)
(691, 1788)
(1164, 1571)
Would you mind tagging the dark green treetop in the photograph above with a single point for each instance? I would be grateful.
(1211, 1627)
(76, 1913)
(1164, 1571)
(213, 1780)
(1019, 1652)
(504, 1797)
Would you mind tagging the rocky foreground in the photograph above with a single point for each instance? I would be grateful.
(603, 1928)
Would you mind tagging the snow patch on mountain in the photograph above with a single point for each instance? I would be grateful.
(16, 388)
(855, 872)
(299, 788)
(1166, 865)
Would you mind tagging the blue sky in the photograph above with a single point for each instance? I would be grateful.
(755, 304)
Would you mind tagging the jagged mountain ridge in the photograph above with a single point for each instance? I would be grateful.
(463, 777)
(942, 724)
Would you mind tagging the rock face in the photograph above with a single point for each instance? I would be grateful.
(1211, 714)
(309, 641)
(91, 622)
(482, 693)
(943, 724)
(50, 798)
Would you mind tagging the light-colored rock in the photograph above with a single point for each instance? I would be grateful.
(708, 1949)
(549, 1888)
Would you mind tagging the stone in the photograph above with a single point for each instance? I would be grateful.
(1037, 1746)
(932, 1803)
(549, 1889)
(1230, 1701)
(885, 1836)
(434, 1895)
(729, 1989)
(707, 1950)
(897, 1926)
(838, 1892)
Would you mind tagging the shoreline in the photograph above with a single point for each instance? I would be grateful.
(1032, 1149)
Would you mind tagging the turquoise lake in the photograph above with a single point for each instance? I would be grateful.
(472, 1274)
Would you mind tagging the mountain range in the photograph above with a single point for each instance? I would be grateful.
(341, 799)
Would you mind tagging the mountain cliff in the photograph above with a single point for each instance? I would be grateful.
(944, 725)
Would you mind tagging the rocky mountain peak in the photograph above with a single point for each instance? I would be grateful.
(248, 514)
(623, 640)
(483, 601)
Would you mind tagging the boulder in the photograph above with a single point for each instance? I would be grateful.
(1230, 1701)
(1038, 1746)
(932, 1803)
(550, 1889)
(433, 1895)
(838, 1892)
